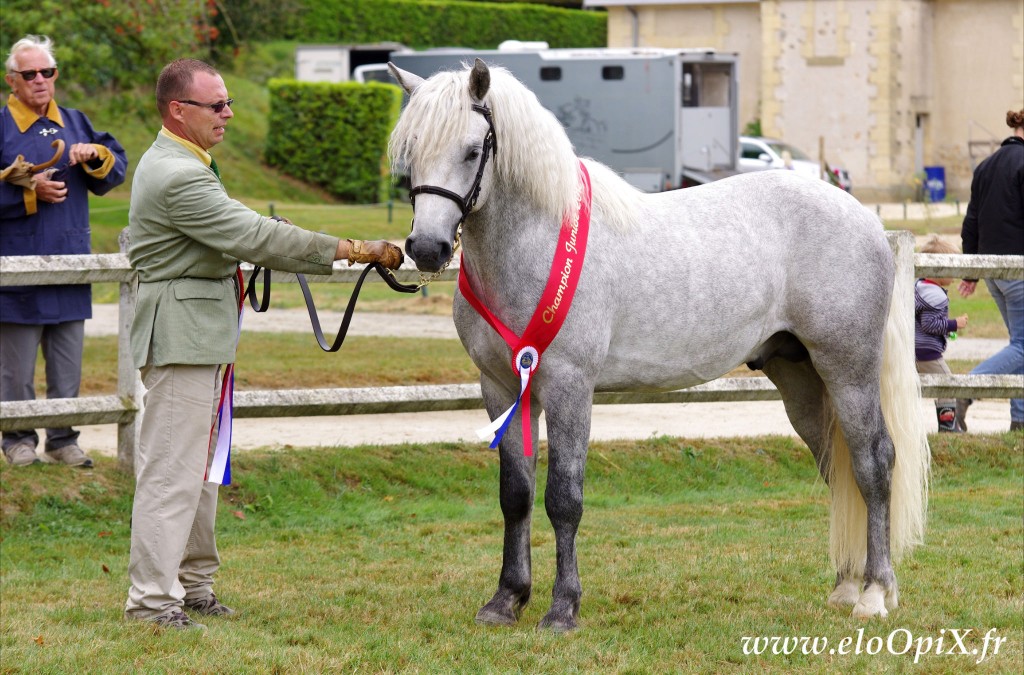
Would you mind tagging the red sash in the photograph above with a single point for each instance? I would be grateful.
(547, 319)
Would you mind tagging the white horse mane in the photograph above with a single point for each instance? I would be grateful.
(534, 155)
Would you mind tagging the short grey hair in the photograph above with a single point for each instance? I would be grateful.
(40, 42)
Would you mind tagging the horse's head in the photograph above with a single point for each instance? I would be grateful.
(445, 138)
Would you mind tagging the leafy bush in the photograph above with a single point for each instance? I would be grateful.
(333, 135)
(416, 23)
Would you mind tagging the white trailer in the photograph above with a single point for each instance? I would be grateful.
(336, 63)
(661, 118)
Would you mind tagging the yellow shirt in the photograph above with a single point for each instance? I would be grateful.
(203, 155)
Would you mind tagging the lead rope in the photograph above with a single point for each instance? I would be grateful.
(314, 318)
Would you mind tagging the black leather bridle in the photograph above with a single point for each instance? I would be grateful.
(466, 203)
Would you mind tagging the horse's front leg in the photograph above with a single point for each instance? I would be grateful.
(568, 431)
(517, 489)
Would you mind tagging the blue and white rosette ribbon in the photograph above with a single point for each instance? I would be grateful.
(526, 362)
(220, 467)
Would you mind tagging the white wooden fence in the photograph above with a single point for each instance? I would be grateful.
(123, 409)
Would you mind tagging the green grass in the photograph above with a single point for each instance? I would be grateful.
(946, 225)
(239, 156)
(109, 215)
(295, 361)
(377, 558)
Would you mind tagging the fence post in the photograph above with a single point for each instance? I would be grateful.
(129, 384)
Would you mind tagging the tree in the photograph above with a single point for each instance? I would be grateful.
(112, 46)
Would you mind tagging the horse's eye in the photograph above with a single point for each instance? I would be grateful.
(473, 155)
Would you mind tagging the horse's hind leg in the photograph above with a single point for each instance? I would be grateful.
(872, 457)
(807, 405)
(517, 489)
(810, 412)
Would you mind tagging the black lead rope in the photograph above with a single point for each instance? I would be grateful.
(314, 319)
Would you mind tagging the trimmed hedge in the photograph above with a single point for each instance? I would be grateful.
(421, 24)
(334, 135)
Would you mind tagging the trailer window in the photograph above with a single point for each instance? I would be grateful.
(550, 73)
(612, 73)
(706, 85)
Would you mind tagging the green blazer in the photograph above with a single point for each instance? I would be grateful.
(186, 239)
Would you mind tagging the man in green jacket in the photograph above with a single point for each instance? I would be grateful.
(187, 237)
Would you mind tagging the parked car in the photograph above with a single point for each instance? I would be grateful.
(758, 154)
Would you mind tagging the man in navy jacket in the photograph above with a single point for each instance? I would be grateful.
(49, 217)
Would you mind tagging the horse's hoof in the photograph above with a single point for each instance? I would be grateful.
(846, 594)
(557, 624)
(488, 617)
(493, 614)
(872, 603)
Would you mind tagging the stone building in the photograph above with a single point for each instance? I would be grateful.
(884, 87)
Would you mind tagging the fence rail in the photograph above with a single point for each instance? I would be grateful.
(123, 409)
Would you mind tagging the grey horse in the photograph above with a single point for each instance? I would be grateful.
(787, 274)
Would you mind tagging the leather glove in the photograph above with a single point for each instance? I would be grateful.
(20, 171)
(378, 251)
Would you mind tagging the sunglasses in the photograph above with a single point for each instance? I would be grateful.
(215, 107)
(29, 75)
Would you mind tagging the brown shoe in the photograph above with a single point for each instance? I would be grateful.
(208, 606)
(71, 455)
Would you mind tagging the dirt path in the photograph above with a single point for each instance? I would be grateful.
(610, 422)
(694, 420)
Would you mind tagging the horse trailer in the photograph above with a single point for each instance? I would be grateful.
(337, 63)
(661, 118)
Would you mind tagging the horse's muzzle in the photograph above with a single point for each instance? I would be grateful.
(430, 255)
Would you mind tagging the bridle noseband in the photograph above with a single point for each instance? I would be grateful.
(466, 203)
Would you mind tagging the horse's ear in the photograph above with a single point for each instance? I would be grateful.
(479, 80)
(407, 80)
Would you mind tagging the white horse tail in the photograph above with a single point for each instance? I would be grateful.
(901, 407)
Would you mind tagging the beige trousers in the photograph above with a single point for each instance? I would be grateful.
(937, 367)
(173, 550)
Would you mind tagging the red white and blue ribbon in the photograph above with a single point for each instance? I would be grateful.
(547, 318)
(219, 469)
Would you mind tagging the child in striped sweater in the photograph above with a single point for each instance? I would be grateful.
(931, 327)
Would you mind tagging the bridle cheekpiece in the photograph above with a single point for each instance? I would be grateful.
(466, 204)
